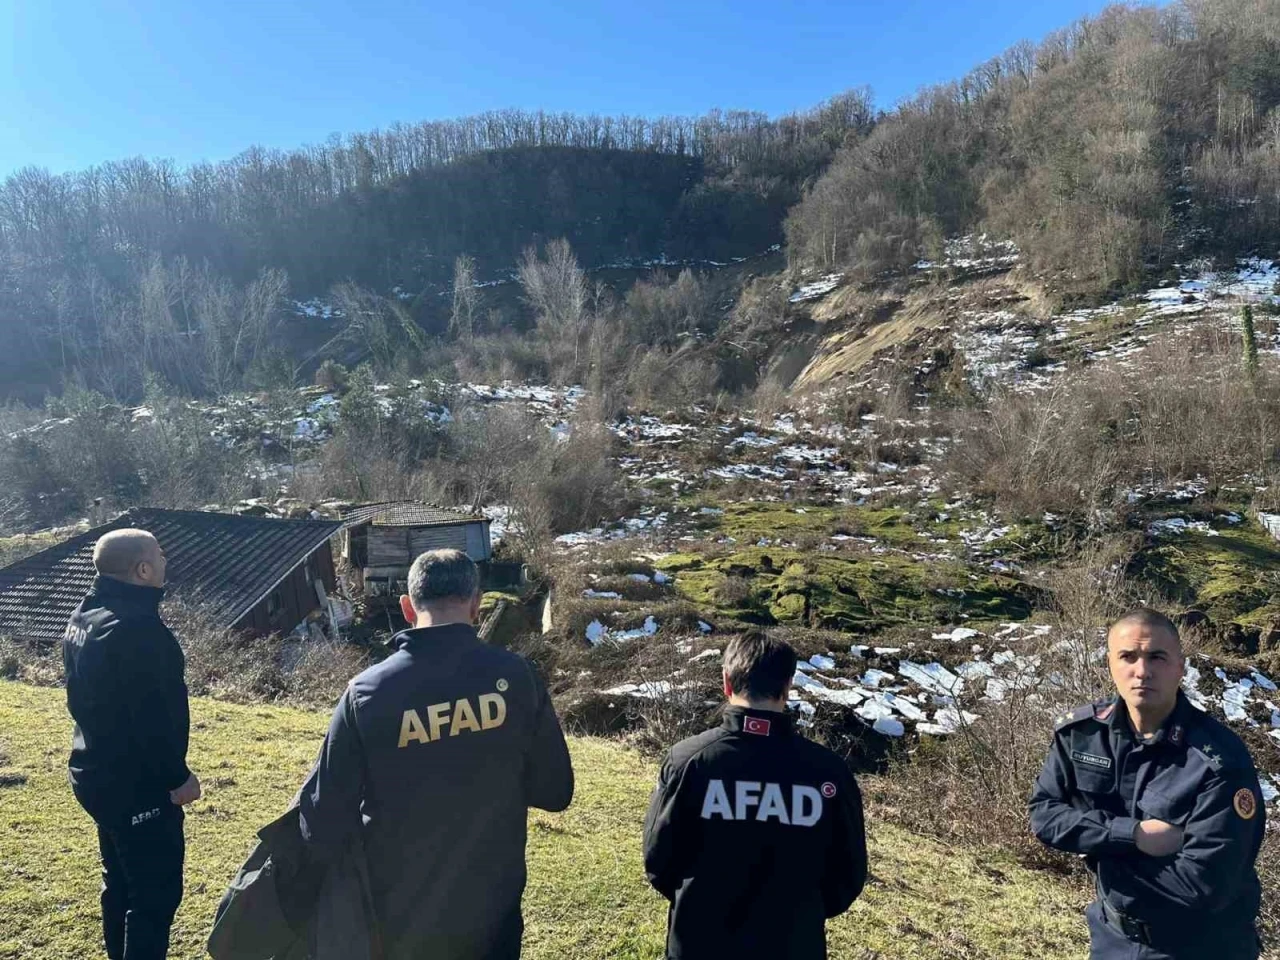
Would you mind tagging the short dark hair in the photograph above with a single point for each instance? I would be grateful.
(1151, 619)
(759, 666)
(442, 575)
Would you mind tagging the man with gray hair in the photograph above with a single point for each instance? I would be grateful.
(126, 693)
(434, 757)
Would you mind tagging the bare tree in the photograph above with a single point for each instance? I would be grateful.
(466, 298)
(556, 287)
(381, 324)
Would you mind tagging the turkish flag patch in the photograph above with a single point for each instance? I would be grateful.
(757, 726)
(828, 790)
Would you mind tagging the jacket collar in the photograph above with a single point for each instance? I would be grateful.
(760, 723)
(113, 590)
(1173, 730)
(419, 638)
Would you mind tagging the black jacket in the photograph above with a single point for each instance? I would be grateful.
(1100, 780)
(441, 749)
(755, 835)
(126, 692)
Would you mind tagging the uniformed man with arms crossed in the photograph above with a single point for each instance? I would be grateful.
(754, 833)
(1164, 803)
(128, 768)
(439, 751)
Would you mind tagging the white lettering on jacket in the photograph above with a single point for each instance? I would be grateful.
(753, 800)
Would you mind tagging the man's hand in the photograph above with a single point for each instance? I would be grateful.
(189, 792)
(1156, 838)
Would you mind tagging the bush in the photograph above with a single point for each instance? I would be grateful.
(685, 710)
(101, 457)
(973, 785)
(229, 665)
(332, 376)
(1180, 411)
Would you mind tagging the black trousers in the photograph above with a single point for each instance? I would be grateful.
(141, 885)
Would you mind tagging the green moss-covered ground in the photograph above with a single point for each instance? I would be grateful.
(587, 896)
(857, 591)
(1234, 577)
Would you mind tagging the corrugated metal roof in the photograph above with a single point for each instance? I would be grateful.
(224, 562)
(408, 513)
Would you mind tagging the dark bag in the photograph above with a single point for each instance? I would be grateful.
(252, 922)
(277, 908)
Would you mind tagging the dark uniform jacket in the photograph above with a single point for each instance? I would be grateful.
(440, 749)
(755, 835)
(126, 692)
(1100, 780)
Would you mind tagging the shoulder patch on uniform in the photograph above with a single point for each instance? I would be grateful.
(1245, 803)
(1085, 712)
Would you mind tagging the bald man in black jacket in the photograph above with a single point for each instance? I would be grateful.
(126, 693)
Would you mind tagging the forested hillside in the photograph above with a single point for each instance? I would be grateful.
(1111, 151)
(96, 267)
(1116, 147)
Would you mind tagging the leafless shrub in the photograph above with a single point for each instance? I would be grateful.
(658, 379)
(229, 665)
(1088, 592)
(973, 785)
(496, 357)
(554, 482)
(769, 400)
(1184, 409)
(381, 325)
(733, 591)
(669, 717)
(662, 311)
(1038, 453)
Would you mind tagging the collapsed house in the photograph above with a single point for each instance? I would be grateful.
(253, 574)
(382, 540)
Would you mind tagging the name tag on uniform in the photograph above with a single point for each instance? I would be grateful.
(1102, 763)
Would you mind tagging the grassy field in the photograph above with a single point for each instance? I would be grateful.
(587, 895)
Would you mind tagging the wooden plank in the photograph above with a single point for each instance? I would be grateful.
(388, 545)
(437, 538)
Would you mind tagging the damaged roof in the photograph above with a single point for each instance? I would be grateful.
(226, 563)
(409, 513)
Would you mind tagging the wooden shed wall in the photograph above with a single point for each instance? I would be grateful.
(400, 546)
(294, 597)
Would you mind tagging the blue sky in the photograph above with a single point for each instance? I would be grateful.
(83, 82)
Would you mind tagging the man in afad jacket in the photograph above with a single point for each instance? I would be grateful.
(436, 754)
(128, 769)
(754, 833)
(1163, 802)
